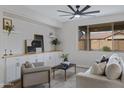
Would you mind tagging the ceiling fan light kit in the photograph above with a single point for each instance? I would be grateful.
(77, 16)
(78, 13)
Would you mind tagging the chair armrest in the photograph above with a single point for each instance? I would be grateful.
(37, 69)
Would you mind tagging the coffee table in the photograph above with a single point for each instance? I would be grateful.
(61, 67)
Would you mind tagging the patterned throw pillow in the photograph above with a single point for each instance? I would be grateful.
(98, 69)
(113, 67)
(113, 70)
(103, 58)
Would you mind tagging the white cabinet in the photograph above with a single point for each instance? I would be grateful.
(12, 69)
(1, 72)
(13, 64)
(30, 58)
(18, 63)
(52, 59)
(39, 58)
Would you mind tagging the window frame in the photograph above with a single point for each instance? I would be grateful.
(114, 27)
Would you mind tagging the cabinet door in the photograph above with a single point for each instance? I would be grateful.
(40, 58)
(1, 72)
(52, 58)
(19, 62)
(10, 70)
(55, 58)
(46, 59)
(13, 69)
(31, 58)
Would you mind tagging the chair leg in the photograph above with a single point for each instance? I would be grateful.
(21, 81)
(49, 85)
(49, 78)
(65, 75)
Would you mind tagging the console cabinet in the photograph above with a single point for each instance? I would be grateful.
(10, 69)
(1, 72)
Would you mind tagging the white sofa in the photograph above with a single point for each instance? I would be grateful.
(88, 80)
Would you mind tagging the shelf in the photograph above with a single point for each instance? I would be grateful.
(18, 55)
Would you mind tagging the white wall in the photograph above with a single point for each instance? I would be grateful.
(27, 12)
(69, 37)
(24, 30)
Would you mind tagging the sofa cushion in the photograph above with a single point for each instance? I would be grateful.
(98, 69)
(37, 69)
(113, 70)
(37, 64)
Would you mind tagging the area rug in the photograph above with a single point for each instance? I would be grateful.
(59, 82)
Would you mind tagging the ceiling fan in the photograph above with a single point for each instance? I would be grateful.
(78, 13)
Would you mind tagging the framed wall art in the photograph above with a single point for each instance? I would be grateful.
(7, 23)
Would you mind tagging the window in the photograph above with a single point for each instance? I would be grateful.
(99, 35)
(83, 38)
(106, 37)
(118, 36)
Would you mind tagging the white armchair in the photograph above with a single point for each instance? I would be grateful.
(39, 74)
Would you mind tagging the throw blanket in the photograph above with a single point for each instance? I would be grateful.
(65, 64)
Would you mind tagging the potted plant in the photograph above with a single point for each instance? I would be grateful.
(55, 42)
(65, 57)
(9, 29)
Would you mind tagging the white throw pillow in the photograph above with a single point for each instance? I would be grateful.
(113, 70)
(122, 74)
(98, 69)
(114, 58)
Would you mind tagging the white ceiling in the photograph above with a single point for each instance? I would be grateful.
(51, 10)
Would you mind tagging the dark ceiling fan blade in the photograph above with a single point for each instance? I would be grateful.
(71, 17)
(89, 15)
(64, 12)
(71, 8)
(65, 15)
(92, 12)
(85, 8)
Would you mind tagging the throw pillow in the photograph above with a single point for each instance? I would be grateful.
(28, 65)
(113, 70)
(114, 58)
(38, 64)
(98, 69)
(122, 74)
(103, 58)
